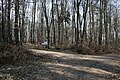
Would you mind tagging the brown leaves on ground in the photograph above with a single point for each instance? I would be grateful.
(93, 49)
(48, 65)
(11, 53)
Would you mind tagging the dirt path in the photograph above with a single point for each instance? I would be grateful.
(50, 65)
(81, 67)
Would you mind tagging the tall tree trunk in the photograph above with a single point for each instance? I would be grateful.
(42, 22)
(73, 23)
(54, 38)
(84, 34)
(3, 25)
(58, 23)
(66, 34)
(105, 22)
(90, 26)
(9, 25)
(33, 22)
(22, 33)
(110, 26)
(32, 25)
(61, 21)
(93, 28)
(5, 22)
(77, 29)
(116, 29)
(100, 28)
(48, 29)
(16, 30)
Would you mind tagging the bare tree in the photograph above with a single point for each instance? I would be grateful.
(9, 24)
(16, 29)
(3, 26)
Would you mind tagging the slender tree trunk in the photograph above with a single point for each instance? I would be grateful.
(61, 21)
(93, 30)
(90, 26)
(115, 28)
(42, 22)
(32, 25)
(9, 25)
(34, 13)
(77, 29)
(66, 36)
(105, 22)
(22, 34)
(73, 24)
(73, 27)
(16, 30)
(58, 23)
(5, 22)
(84, 34)
(110, 26)
(48, 29)
(54, 38)
(73, 21)
(3, 26)
(100, 28)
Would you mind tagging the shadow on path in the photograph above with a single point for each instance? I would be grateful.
(48, 65)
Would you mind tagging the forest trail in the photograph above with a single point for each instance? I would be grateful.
(49, 65)
(64, 66)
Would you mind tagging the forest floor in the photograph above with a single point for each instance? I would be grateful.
(51, 65)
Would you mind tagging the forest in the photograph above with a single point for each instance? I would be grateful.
(59, 39)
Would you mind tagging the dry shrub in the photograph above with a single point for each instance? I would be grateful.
(32, 46)
(10, 53)
(103, 49)
(87, 50)
(93, 49)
